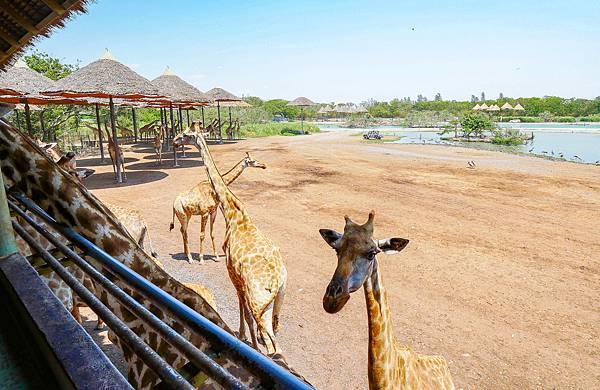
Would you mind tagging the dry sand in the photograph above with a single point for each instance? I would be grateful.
(502, 275)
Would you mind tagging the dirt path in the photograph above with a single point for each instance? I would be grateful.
(502, 275)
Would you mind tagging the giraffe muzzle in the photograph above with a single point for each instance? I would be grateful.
(335, 298)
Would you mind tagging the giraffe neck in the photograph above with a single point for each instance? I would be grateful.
(235, 172)
(382, 350)
(232, 208)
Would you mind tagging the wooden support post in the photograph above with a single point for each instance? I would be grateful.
(28, 119)
(219, 115)
(135, 128)
(203, 122)
(43, 127)
(99, 132)
(115, 140)
(173, 134)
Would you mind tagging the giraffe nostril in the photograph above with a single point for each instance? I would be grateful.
(334, 290)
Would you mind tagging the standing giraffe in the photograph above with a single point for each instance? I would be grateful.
(202, 200)
(391, 366)
(158, 141)
(26, 168)
(112, 151)
(254, 264)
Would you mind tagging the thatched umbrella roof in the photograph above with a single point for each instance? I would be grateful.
(178, 90)
(494, 107)
(506, 106)
(518, 107)
(104, 78)
(301, 102)
(22, 80)
(221, 95)
(21, 21)
(484, 107)
(477, 107)
(359, 110)
(239, 103)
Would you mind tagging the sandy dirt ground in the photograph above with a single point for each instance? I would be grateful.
(501, 277)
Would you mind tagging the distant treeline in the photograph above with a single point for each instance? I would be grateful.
(536, 109)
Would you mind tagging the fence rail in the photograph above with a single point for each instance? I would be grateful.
(269, 373)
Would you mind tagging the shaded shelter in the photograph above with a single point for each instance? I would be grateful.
(219, 95)
(506, 106)
(24, 81)
(477, 107)
(518, 107)
(180, 94)
(301, 102)
(21, 21)
(108, 79)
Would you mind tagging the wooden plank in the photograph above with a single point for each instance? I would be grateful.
(55, 6)
(13, 13)
(8, 38)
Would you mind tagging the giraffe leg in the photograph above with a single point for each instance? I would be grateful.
(242, 332)
(183, 222)
(202, 235)
(265, 329)
(277, 305)
(76, 314)
(213, 217)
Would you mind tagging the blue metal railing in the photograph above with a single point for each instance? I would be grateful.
(266, 370)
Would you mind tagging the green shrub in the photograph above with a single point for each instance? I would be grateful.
(274, 128)
(509, 137)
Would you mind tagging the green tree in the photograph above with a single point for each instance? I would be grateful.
(474, 123)
(51, 67)
(254, 101)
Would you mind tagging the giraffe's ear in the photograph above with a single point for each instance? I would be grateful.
(392, 245)
(331, 237)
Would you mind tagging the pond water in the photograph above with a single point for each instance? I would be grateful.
(573, 142)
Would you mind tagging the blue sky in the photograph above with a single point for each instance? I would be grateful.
(349, 50)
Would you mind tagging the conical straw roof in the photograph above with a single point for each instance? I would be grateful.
(506, 106)
(494, 107)
(477, 107)
(518, 107)
(178, 90)
(301, 102)
(239, 103)
(484, 107)
(221, 95)
(22, 80)
(104, 78)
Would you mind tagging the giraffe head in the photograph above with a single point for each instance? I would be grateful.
(252, 163)
(356, 252)
(69, 164)
(189, 136)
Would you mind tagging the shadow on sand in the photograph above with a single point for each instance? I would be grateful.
(166, 164)
(107, 179)
(196, 257)
(95, 161)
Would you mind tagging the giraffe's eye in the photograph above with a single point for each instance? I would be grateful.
(371, 255)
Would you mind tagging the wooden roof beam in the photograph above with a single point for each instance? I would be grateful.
(55, 6)
(8, 38)
(22, 21)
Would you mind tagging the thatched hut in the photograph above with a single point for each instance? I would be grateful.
(107, 79)
(518, 107)
(506, 106)
(179, 93)
(477, 107)
(219, 95)
(21, 21)
(301, 102)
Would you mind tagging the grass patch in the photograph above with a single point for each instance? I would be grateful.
(275, 128)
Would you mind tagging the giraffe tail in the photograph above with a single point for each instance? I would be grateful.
(172, 225)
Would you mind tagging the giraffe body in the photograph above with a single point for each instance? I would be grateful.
(158, 141)
(254, 264)
(391, 365)
(26, 168)
(202, 200)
